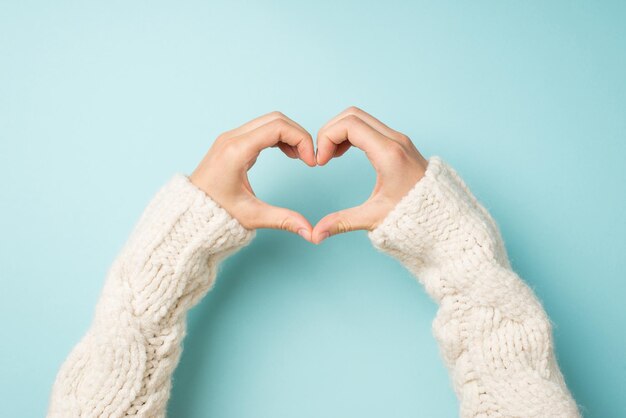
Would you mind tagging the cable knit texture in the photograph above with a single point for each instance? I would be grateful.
(493, 333)
(123, 365)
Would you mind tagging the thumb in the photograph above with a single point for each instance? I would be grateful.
(345, 220)
(274, 217)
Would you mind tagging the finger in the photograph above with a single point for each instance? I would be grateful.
(369, 119)
(342, 149)
(346, 220)
(274, 132)
(353, 129)
(274, 217)
(290, 151)
(259, 121)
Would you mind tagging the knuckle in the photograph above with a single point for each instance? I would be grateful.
(352, 119)
(222, 137)
(395, 150)
(342, 226)
(285, 224)
(279, 124)
(277, 115)
(233, 149)
(404, 139)
(353, 110)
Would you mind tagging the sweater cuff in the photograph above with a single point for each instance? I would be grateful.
(181, 233)
(440, 222)
(185, 215)
(404, 224)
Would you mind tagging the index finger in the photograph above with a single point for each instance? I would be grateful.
(275, 132)
(259, 121)
(366, 117)
(353, 129)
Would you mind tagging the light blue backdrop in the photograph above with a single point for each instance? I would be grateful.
(101, 102)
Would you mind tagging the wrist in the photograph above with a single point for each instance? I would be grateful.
(439, 221)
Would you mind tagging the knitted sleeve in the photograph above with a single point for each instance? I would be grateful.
(494, 336)
(122, 366)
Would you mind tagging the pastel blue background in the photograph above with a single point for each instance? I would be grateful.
(102, 102)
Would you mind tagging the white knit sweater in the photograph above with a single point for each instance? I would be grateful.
(494, 335)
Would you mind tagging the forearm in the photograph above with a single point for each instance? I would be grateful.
(494, 334)
(123, 364)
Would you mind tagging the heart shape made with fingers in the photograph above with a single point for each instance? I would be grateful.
(223, 172)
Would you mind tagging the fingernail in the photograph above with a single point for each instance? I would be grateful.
(323, 236)
(304, 234)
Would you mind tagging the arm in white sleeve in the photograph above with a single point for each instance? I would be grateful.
(123, 365)
(493, 333)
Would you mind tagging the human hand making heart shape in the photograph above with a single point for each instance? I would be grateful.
(421, 212)
(222, 174)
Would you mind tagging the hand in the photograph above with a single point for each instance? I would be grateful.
(398, 164)
(222, 174)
